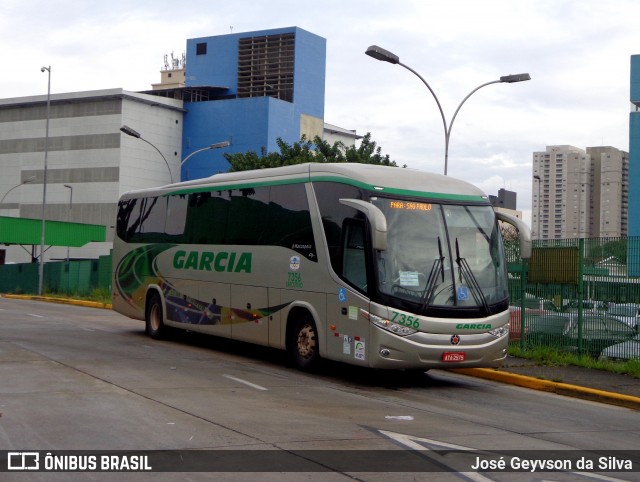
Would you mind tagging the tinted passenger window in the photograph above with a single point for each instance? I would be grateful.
(141, 220)
(176, 216)
(290, 221)
(247, 216)
(354, 266)
(235, 216)
(334, 215)
(270, 215)
(152, 220)
(124, 223)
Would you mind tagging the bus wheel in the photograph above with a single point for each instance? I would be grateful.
(154, 320)
(304, 343)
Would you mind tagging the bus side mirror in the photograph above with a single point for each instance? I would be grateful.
(376, 218)
(524, 233)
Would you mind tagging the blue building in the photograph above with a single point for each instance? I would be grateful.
(248, 88)
(251, 89)
(633, 258)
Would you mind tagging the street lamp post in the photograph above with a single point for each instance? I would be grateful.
(69, 211)
(379, 53)
(44, 183)
(133, 133)
(217, 145)
(26, 181)
(537, 178)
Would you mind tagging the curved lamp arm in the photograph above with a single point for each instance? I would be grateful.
(217, 145)
(133, 133)
(26, 181)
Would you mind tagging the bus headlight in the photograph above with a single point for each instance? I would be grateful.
(501, 331)
(388, 325)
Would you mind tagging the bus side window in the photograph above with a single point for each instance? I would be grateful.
(354, 266)
(127, 221)
(176, 217)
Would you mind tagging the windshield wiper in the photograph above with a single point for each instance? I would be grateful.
(437, 269)
(471, 280)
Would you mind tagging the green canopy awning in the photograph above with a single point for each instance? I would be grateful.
(56, 233)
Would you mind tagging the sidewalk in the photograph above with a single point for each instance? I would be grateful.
(579, 382)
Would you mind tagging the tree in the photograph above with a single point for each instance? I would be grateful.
(510, 236)
(616, 248)
(305, 150)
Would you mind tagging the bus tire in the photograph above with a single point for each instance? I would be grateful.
(303, 344)
(154, 321)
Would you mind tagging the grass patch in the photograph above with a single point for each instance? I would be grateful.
(551, 356)
(101, 295)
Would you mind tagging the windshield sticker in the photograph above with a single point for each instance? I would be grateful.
(359, 350)
(409, 278)
(463, 293)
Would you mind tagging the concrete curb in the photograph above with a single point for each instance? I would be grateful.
(64, 301)
(576, 391)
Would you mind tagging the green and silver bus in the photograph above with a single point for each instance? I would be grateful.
(370, 265)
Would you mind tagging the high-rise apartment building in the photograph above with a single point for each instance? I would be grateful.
(579, 193)
(610, 191)
(559, 192)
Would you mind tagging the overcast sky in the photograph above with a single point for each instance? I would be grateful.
(577, 52)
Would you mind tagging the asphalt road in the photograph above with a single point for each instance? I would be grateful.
(77, 378)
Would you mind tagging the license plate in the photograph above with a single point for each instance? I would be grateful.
(454, 356)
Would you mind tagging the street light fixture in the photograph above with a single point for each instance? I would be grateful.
(383, 55)
(70, 195)
(26, 181)
(133, 133)
(217, 145)
(69, 211)
(510, 79)
(44, 183)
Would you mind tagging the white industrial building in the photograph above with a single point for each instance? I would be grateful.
(89, 161)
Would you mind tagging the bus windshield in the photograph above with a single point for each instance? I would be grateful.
(441, 255)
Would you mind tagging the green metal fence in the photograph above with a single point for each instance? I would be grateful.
(576, 295)
(81, 277)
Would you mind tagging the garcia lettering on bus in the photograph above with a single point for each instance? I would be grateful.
(473, 326)
(209, 261)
